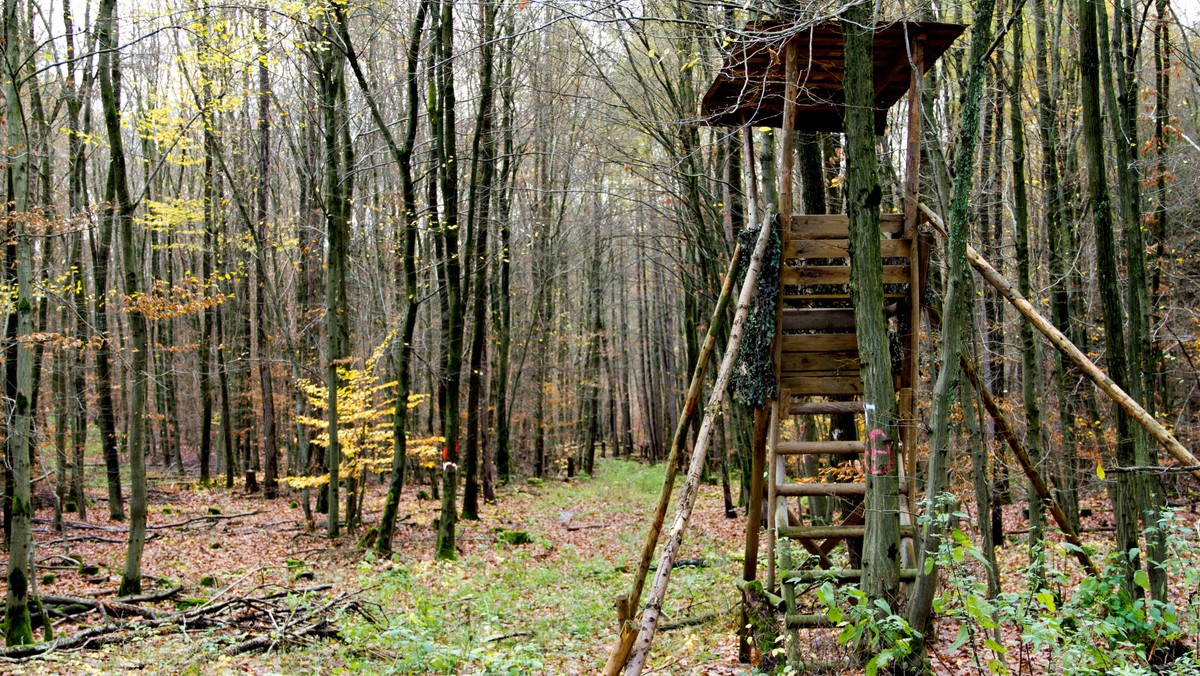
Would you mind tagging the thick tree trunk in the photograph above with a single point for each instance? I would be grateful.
(881, 547)
(20, 370)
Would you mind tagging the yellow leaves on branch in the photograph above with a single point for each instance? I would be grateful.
(364, 421)
(173, 214)
(165, 300)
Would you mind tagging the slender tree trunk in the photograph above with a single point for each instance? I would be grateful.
(451, 269)
(954, 317)
(267, 436)
(402, 155)
(209, 313)
(1059, 237)
(338, 166)
(1031, 375)
(120, 211)
(503, 301)
(78, 202)
(1125, 493)
(483, 170)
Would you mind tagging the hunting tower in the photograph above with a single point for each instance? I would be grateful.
(790, 76)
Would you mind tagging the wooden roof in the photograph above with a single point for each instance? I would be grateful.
(749, 87)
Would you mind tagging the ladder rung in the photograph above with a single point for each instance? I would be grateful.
(820, 489)
(826, 532)
(825, 489)
(825, 408)
(818, 447)
(837, 575)
(796, 621)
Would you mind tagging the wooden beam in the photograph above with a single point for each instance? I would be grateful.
(820, 447)
(818, 319)
(804, 275)
(820, 342)
(807, 362)
(826, 408)
(803, 249)
(837, 226)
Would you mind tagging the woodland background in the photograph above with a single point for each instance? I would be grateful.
(497, 230)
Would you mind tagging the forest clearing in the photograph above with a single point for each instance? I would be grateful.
(613, 336)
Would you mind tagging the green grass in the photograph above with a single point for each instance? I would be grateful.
(551, 601)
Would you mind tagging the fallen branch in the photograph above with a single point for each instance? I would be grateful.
(272, 619)
(584, 526)
(689, 621)
(206, 517)
(505, 637)
(1155, 469)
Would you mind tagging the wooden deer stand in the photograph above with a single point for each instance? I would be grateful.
(790, 77)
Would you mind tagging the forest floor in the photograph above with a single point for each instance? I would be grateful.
(543, 607)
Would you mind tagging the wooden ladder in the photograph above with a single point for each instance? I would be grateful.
(818, 371)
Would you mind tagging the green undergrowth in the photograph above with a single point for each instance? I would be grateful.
(545, 607)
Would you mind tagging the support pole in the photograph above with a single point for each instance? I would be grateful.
(1064, 345)
(626, 603)
(687, 500)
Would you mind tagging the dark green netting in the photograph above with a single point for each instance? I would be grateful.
(753, 379)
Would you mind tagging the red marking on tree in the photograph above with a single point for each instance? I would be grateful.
(875, 449)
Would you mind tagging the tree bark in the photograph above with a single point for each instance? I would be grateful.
(881, 546)
(20, 434)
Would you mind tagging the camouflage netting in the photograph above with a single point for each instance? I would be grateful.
(753, 381)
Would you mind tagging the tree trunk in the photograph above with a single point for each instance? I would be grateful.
(503, 318)
(1031, 375)
(120, 212)
(1060, 264)
(483, 171)
(881, 547)
(338, 191)
(20, 434)
(451, 273)
(267, 436)
(1125, 494)
(955, 315)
